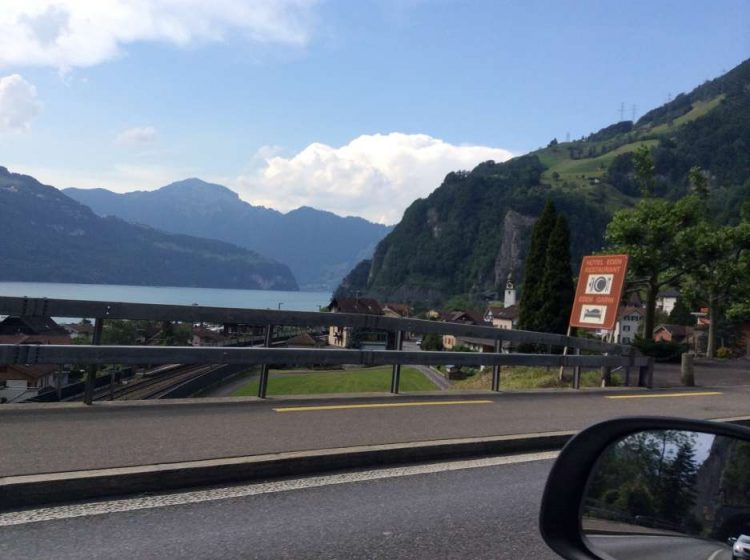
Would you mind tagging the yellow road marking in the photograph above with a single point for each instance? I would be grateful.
(375, 405)
(664, 395)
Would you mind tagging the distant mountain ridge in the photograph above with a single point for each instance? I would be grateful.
(472, 232)
(49, 237)
(319, 247)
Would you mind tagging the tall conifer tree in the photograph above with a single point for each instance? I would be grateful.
(557, 284)
(532, 296)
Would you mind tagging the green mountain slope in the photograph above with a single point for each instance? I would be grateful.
(472, 232)
(48, 237)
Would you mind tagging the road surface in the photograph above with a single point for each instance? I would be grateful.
(43, 439)
(475, 513)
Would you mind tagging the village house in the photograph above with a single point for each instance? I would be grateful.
(627, 325)
(464, 317)
(666, 300)
(502, 317)
(80, 331)
(35, 376)
(397, 310)
(32, 330)
(202, 336)
(348, 337)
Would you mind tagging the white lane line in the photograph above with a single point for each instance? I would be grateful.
(715, 554)
(175, 499)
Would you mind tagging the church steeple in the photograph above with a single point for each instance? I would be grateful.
(510, 292)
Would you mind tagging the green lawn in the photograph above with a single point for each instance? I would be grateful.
(532, 378)
(361, 380)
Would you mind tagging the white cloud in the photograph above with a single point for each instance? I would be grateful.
(374, 176)
(137, 136)
(76, 33)
(18, 104)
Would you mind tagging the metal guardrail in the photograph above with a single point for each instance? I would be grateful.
(43, 307)
(611, 355)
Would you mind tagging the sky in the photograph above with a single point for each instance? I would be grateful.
(358, 107)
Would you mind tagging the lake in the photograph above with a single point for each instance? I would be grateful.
(251, 299)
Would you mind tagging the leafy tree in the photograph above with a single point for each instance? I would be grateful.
(721, 269)
(699, 182)
(459, 303)
(650, 474)
(432, 341)
(657, 235)
(532, 290)
(644, 169)
(680, 314)
(557, 284)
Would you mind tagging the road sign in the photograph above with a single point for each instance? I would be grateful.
(599, 291)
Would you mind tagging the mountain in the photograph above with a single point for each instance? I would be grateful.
(472, 232)
(319, 247)
(49, 237)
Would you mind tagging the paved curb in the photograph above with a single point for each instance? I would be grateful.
(34, 490)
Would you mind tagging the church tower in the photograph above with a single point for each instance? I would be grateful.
(510, 292)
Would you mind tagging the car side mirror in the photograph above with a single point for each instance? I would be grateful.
(639, 488)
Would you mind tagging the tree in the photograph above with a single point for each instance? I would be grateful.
(532, 296)
(680, 314)
(699, 182)
(657, 234)
(432, 341)
(721, 269)
(557, 284)
(644, 170)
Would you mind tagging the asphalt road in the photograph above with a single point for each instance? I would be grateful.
(654, 547)
(75, 437)
(476, 513)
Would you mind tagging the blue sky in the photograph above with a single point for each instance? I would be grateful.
(355, 106)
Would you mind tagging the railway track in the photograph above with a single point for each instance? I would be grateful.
(157, 382)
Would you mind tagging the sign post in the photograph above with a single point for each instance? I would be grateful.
(598, 294)
(599, 290)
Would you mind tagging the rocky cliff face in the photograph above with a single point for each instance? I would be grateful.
(515, 244)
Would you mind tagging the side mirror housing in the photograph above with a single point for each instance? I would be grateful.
(650, 488)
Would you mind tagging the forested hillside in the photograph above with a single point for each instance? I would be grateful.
(473, 231)
(48, 237)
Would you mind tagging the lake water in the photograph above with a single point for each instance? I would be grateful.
(250, 299)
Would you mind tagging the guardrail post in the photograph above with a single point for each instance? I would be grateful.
(577, 372)
(396, 375)
(263, 381)
(112, 374)
(606, 376)
(88, 393)
(687, 370)
(496, 369)
(646, 374)
(627, 372)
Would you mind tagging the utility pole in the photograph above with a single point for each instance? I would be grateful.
(622, 111)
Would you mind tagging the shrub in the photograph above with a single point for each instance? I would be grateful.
(724, 353)
(662, 351)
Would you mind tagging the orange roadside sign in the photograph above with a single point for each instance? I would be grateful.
(599, 291)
